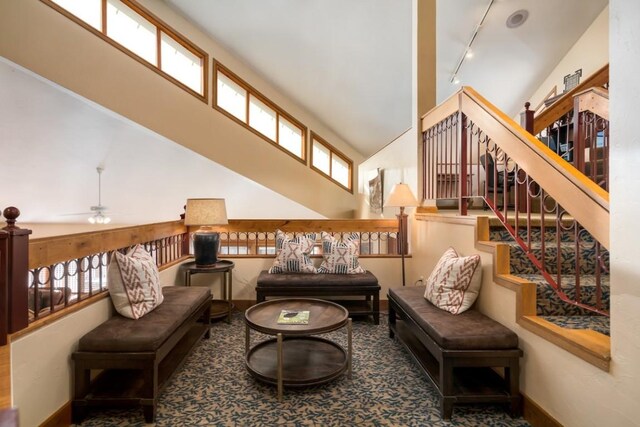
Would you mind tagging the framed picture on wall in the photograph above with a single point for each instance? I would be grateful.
(375, 193)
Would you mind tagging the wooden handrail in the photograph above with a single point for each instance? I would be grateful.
(564, 104)
(309, 225)
(584, 199)
(580, 196)
(50, 250)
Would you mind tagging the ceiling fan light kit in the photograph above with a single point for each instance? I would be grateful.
(99, 216)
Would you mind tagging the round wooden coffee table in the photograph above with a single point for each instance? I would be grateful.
(295, 358)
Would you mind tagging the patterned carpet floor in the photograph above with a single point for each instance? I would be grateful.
(387, 389)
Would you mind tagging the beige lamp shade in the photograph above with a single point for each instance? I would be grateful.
(205, 212)
(401, 196)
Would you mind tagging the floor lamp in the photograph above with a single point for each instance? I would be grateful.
(401, 196)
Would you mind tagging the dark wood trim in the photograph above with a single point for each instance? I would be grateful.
(159, 24)
(251, 91)
(50, 250)
(564, 104)
(333, 151)
(308, 225)
(537, 416)
(60, 418)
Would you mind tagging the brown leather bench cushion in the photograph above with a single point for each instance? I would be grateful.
(294, 280)
(470, 330)
(120, 334)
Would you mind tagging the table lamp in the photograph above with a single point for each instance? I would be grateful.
(401, 196)
(205, 213)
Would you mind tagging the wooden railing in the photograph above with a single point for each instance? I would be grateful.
(472, 150)
(576, 127)
(66, 270)
(256, 238)
(46, 276)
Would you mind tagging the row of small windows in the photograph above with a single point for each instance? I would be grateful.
(150, 40)
(145, 36)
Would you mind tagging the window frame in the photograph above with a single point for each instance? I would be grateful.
(161, 27)
(252, 92)
(332, 152)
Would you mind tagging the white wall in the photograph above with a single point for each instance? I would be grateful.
(53, 136)
(590, 52)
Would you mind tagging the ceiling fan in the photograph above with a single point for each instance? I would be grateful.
(99, 210)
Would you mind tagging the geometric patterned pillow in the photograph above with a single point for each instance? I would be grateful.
(292, 254)
(134, 283)
(340, 256)
(455, 282)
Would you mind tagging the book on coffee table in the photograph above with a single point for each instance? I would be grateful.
(293, 317)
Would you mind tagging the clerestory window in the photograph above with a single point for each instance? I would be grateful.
(331, 163)
(239, 101)
(134, 30)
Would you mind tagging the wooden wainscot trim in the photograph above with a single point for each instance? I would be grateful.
(60, 418)
(537, 416)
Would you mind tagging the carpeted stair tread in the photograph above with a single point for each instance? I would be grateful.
(548, 303)
(595, 323)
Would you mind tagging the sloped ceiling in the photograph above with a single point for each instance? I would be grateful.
(349, 61)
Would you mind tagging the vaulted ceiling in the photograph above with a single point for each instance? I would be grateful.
(349, 61)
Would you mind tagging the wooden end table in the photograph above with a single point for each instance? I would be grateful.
(295, 358)
(222, 307)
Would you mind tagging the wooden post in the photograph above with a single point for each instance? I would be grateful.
(18, 272)
(462, 194)
(4, 291)
(528, 118)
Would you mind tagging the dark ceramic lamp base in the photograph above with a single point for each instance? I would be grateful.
(205, 247)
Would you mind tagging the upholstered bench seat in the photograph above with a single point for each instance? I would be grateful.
(137, 357)
(149, 332)
(457, 352)
(359, 293)
(470, 330)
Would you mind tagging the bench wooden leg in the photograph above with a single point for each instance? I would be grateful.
(392, 321)
(376, 309)
(512, 379)
(149, 412)
(446, 407)
(446, 387)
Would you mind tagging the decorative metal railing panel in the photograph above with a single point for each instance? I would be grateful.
(460, 161)
(262, 243)
(54, 287)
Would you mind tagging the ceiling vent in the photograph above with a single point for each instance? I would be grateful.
(517, 18)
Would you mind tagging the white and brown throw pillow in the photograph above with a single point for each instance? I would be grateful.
(340, 256)
(134, 283)
(292, 254)
(455, 282)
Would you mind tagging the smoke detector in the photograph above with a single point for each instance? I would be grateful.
(517, 18)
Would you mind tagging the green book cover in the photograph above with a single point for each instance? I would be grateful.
(293, 317)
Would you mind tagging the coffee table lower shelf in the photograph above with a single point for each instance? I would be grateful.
(307, 361)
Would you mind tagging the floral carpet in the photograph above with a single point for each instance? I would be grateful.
(213, 388)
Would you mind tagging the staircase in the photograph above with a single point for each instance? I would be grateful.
(549, 305)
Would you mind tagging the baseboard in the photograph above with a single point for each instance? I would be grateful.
(537, 416)
(60, 418)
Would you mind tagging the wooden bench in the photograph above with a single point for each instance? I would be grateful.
(457, 352)
(358, 293)
(137, 357)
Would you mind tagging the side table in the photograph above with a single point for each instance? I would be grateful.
(219, 308)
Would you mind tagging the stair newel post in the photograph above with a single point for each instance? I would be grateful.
(17, 272)
(527, 118)
(462, 182)
(578, 137)
(4, 291)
